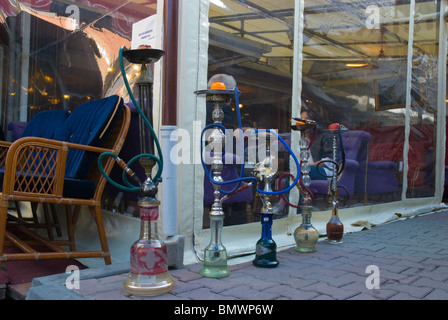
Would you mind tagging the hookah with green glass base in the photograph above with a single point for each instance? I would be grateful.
(215, 254)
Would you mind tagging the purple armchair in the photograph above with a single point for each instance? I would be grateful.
(230, 171)
(240, 201)
(381, 177)
(17, 129)
(356, 148)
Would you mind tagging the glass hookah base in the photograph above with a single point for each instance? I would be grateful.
(263, 263)
(214, 271)
(148, 285)
(306, 237)
(215, 262)
(305, 250)
(335, 241)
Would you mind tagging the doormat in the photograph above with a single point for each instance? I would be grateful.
(24, 271)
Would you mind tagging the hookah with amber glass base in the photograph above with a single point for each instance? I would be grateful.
(334, 227)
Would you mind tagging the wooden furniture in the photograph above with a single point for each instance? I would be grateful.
(62, 171)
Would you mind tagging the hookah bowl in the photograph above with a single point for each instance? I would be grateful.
(305, 235)
(266, 248)
(334, 227)
(148, 255)
(215, 254)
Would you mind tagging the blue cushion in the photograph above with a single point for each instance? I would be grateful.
(89, 124)
(45, 123)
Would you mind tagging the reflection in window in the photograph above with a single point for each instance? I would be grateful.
(354, 73)
(59, 54)
(422, 138)
(253, 42)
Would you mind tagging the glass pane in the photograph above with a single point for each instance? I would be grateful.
(253, 42)
(422, 139)
(354, 73)
(59, 54)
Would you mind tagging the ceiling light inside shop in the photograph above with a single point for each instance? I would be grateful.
(218, 3)
(355, 65)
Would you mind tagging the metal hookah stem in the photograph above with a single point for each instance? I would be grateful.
(217, 136)
(335, 148)
(144, 84)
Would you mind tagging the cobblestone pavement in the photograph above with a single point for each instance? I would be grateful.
(409, 256)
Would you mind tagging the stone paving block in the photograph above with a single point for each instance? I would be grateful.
(167, 296)
(414, 291)
(297, 283)
(245, 293)
(437, 294)
(291, 293)
(363, 296)
(402, 296)
(429, 283)
(205, 294)
(323, 297)
(334, 292)
(110, 295)
(333, 280)
(181, 286)
(185, 275)
(113, 280)
(90, 286)
(380, 294)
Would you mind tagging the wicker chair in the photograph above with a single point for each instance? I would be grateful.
(62, 171)
(44, 125)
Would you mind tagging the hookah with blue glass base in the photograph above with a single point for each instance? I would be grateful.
(215, 254)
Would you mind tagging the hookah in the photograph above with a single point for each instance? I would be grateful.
(149, 273)
(266, 248)
(305, 235)
(334, 227)
(215, 254)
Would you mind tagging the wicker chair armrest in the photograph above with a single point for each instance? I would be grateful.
(37, 166)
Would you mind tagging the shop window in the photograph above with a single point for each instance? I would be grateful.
(253, 42)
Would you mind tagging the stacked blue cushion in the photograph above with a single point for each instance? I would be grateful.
(88, 124)
(45, 123)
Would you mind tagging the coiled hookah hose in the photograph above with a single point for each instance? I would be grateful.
(241, 178)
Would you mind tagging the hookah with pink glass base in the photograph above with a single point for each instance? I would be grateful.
(148, 275)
